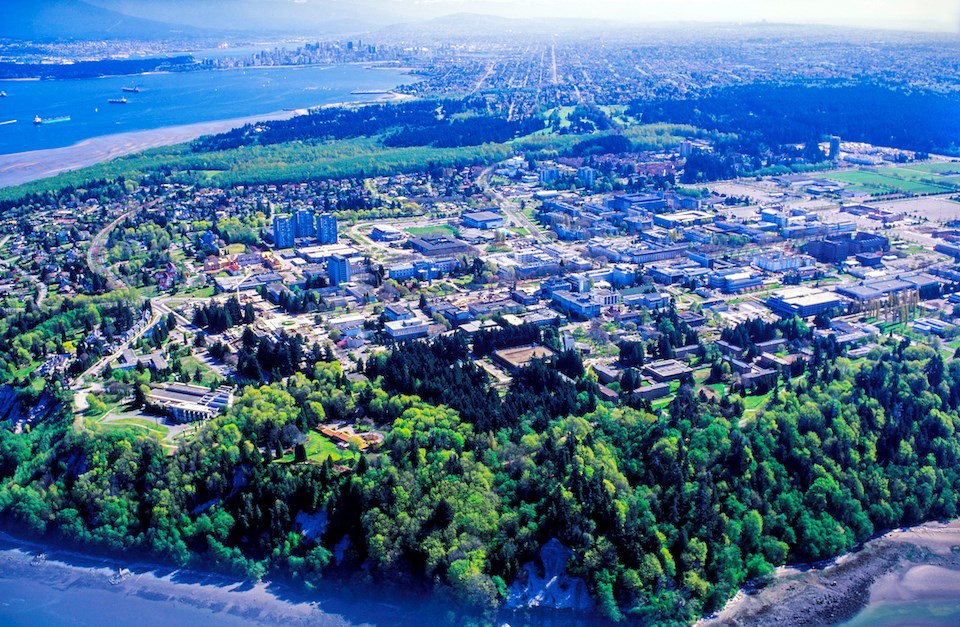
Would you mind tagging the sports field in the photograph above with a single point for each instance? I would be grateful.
(926, 178)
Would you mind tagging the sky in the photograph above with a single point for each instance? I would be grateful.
(928, 15)
(939, 15)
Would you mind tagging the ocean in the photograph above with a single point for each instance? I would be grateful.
(172, 99)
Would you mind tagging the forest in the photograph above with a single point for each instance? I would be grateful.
(769, 115)
(93, 69)
(668, 512)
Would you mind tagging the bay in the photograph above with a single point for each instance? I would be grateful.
(173, 99)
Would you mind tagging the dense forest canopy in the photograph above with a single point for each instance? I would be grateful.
(773, 114)
(668, 513)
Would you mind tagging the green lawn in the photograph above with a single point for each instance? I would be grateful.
(440, 230)
(190, 365)
(887, 181)
(200, 292)
(319, 448)
(753, 403)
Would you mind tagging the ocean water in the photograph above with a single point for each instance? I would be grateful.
(25, 603)
(919, 613)
(171, 99)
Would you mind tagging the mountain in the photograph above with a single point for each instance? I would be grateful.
(76, 19)
(300, 17)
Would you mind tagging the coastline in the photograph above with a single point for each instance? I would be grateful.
(898, 568)
(144, 589)
(23, 167)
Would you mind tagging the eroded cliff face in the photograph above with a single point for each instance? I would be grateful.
(21, 410)
(545, 583)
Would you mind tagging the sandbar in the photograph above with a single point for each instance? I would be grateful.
(23, 167)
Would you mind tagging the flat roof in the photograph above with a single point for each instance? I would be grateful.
(523, 355)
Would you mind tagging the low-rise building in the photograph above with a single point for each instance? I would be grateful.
(408, 329)
(666, 370)
(188, 403)
(802, 301)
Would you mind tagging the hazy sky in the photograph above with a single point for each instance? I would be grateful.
(932, 15)
(941, 15)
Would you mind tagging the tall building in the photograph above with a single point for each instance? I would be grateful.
(834, 147)
(338, 269)
(283, 232)
(327, 228)
(304, 223)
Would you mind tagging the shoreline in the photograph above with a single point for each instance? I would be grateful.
(918, 564)
(23, 167)
(190, 593)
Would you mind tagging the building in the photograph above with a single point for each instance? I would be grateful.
(587, 176)
(327, 228)
(835, 147)
(341, 268)
(513, 359)
(666, 370)
(837, 248)
(440, 246)
(188, 403)
(304, 223)
(385, 233)
(411, 328)
(395, 311)
(484, 220)
(283, 232)
(583, 306)
(735, 280)
(802, 301)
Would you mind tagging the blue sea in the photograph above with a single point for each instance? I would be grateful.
(172, 99)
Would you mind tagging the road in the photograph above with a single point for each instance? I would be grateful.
(95, 253)
(511, 209)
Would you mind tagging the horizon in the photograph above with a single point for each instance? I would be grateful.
(936, 16)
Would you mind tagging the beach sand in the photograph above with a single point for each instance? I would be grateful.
(900, 567)
(177, 596)
(23, 167)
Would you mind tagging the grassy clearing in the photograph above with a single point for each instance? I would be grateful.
(319, 448)
(190, 364)
(754, 403)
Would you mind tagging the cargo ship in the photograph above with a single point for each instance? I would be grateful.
(62, 118)
(131, 90)
(117, 101)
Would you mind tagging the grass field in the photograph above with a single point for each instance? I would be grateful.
(441, 230)
(893, 180)
(938, 168)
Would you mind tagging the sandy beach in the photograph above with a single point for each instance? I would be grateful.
(84, 589)
(899, 568)
(23, 167)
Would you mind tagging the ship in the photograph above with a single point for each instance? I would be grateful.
(117, 101)
(131, 90)
(3, 94)
(62, 118)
